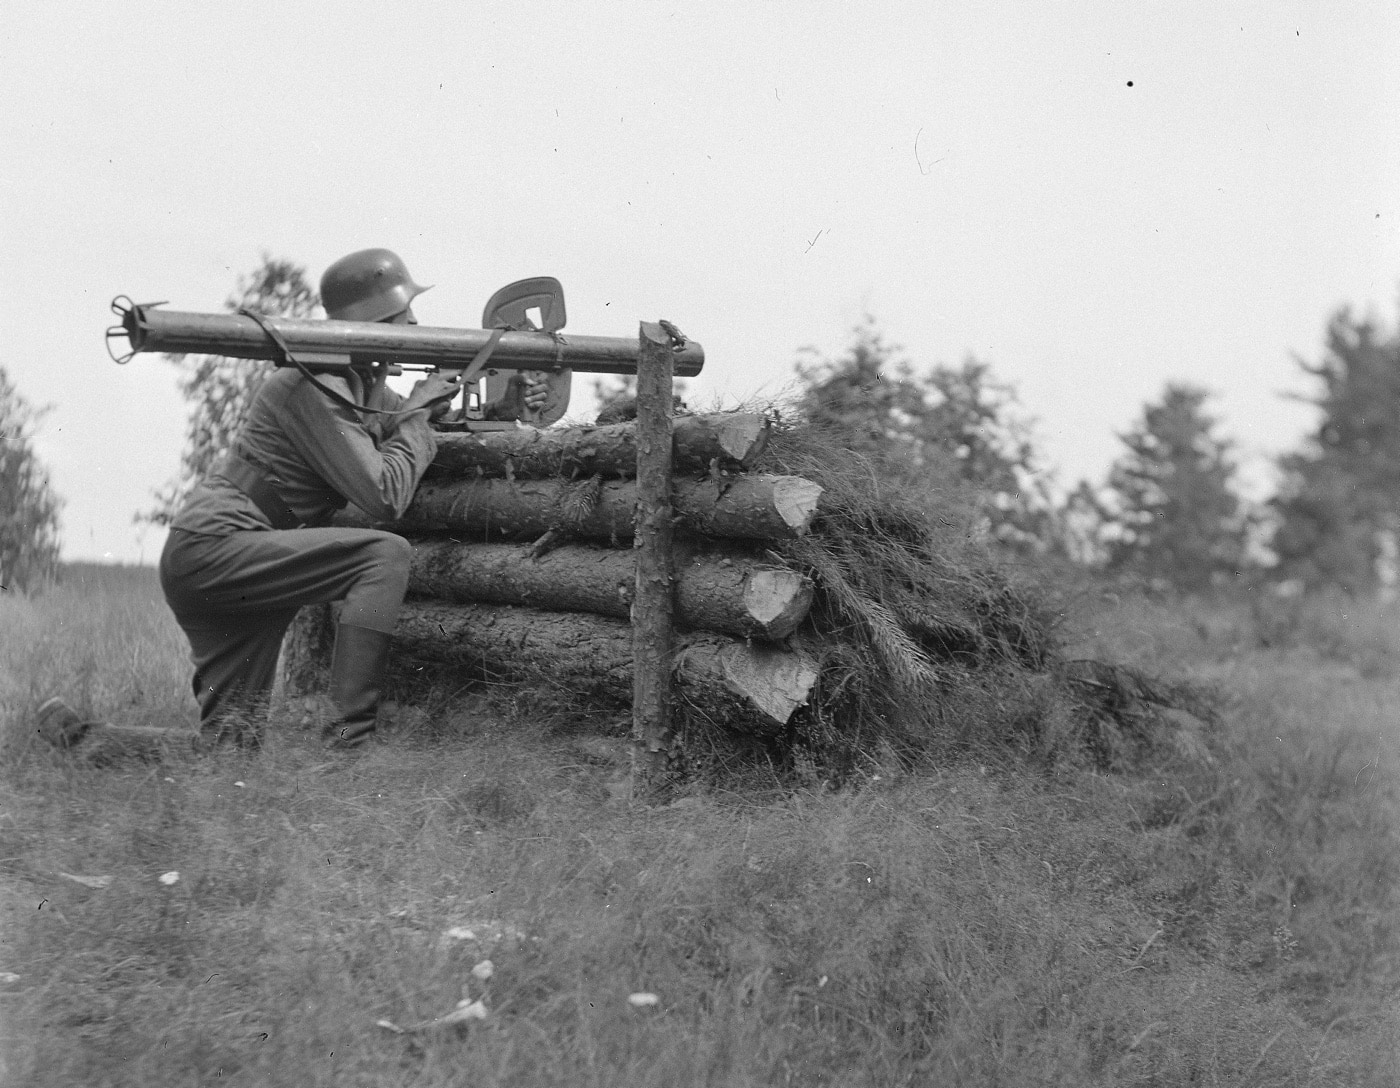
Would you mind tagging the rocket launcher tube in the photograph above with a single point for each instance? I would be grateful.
(339, 344)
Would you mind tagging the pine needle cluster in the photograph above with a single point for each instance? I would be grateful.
(929, 638)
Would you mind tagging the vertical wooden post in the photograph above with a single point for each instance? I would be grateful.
(652, 734)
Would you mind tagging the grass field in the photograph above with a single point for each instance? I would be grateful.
(982, 922)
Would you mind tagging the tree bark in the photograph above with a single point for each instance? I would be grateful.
(757, 507)
(734, 439)
(726, 594)
(741, 685)
(305, 663)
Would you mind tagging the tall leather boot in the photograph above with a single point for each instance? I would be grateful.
(357, 674)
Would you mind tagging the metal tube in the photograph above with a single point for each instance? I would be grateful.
(149, 328)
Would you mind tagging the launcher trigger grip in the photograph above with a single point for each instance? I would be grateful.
(531, 305)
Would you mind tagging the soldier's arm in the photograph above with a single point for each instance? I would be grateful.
(377, 476)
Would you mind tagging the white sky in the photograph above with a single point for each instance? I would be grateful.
(979, 176)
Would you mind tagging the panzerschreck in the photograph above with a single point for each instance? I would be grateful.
(520, 332)
(330, 345)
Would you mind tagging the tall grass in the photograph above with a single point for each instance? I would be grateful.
(990, 921)
(102, 639)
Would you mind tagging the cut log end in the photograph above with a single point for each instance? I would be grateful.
(60, 724)
(742, 437)
(778, 600)
(770, 684)
(775, 681)
(795, 500)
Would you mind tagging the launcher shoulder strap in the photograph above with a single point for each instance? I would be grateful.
(288, 359)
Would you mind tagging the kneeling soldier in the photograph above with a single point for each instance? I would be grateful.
(253, 542)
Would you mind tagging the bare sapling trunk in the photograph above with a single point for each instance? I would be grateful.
(653, 738)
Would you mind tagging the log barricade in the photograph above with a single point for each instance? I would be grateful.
(522, 567)
(880, 625)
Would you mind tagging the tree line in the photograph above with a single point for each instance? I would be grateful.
(1169, 511)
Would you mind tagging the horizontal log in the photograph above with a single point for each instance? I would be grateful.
(733, 595)
(102, 742)
(741, 685)
(757, 507)
(106, 743)
(735, 439)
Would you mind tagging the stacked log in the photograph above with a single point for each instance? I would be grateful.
(736, 438)
(728, 594)
(522, 566)
(747, 507)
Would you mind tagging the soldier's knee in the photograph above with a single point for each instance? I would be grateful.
(391, 549)
(393, 554)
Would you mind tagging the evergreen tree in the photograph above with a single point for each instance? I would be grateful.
(973, 421)
(1340, 494)
(959, 424)
(28, 506)
(222, 389)
(854, 397)
(1171, 514)
(1083, 527)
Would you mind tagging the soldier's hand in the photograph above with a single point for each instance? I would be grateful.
(526, 393)
(374, 394)
(534, 390)
(435, 392)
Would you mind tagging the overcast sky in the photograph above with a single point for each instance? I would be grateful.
(1094, 197)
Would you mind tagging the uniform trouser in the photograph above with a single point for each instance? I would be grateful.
(235, 595)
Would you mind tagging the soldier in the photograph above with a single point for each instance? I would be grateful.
(253, 542)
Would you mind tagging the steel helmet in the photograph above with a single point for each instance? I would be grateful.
(367, 286)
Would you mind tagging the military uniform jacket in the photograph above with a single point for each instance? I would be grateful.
(317, 455)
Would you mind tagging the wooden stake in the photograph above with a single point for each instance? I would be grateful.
(653, 739)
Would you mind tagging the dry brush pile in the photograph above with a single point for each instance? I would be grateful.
(824, 604)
